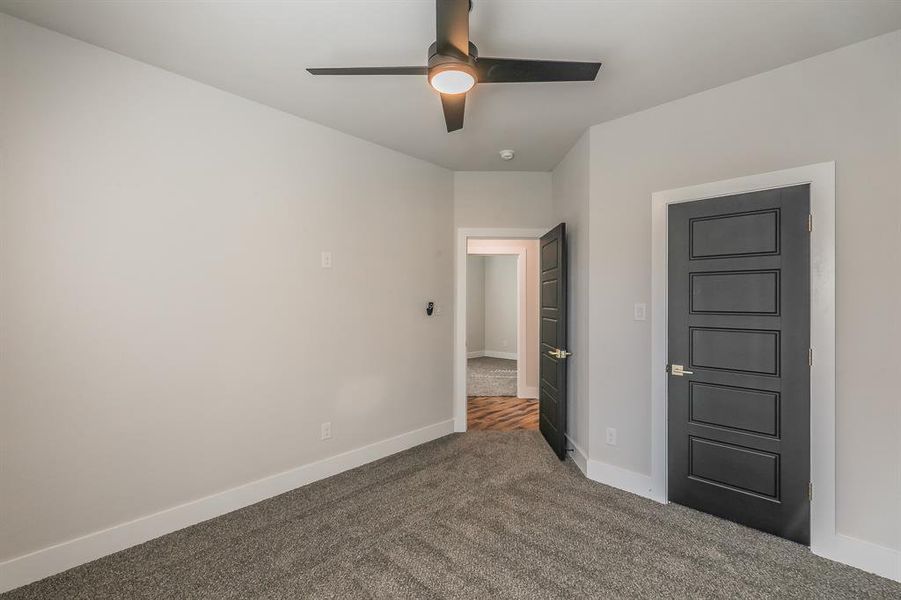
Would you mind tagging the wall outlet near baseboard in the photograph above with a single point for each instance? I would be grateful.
(326, 431)
(640, 312)
(611, 436)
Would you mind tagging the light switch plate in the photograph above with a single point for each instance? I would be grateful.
(640, 312)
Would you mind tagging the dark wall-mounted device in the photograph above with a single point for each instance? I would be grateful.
(430, 308)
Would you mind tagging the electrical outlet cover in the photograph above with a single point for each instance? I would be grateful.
(611, 436)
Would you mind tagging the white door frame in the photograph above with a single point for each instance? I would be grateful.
(824, 539)
(460, 355)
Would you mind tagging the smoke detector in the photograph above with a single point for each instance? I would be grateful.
(507, 154)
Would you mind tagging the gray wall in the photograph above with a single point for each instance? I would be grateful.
(491, 303)
(168, 332)
(501, 308)
(570, 201)
(475, 303)
(502, 199)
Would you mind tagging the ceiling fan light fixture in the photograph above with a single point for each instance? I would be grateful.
(454, 65)
(452, 79)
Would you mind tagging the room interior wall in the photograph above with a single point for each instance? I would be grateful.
(501, 304)
(475, 304)
(844, 106)
(533, 289)
(168, 330)
(570, 189)
(502, 199)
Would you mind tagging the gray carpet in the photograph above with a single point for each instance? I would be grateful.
(490, 377)
(475, 515)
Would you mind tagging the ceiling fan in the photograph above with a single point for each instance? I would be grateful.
(454, 64)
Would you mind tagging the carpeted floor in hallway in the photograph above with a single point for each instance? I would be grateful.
(486, 376)
(474, 515)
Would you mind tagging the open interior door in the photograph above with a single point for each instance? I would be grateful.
(553, 353)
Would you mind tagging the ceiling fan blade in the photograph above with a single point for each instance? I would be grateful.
(371, 71)
(513, 70)
(452, 26)
(453, 105)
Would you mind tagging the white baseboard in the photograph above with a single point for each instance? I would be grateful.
(624, 479)
(42, 563)
(578, 455)
(882, 561)
(867, 556)
(529, 391)
(491, 354)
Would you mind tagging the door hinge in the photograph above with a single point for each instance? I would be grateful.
(810, 492)
(810, 357)
(809, 222)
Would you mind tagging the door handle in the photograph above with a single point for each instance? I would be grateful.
(558, 353)
(679, 371)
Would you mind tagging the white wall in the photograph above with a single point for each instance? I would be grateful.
(843, 106)
(501, 304)
(502, 199)
(167, 329)
(570, 203)
(475, 304)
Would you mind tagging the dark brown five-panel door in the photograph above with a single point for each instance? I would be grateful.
(739, 331)
(553, 353)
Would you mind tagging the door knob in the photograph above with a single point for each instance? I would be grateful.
(558, 353)
(679, 371)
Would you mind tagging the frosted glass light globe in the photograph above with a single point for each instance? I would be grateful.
(452, 81)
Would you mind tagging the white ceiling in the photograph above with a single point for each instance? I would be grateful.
(653, 52)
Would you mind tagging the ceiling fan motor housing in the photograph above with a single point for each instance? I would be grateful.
(452, 60)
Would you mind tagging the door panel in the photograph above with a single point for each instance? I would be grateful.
(549, 253)
(549, 332)
(735, 350)
(735, 235)
(734, 408)
(549, 368)
(749, 292)
(549, 293)
(742, 468)
(739, 322)
(552, 369)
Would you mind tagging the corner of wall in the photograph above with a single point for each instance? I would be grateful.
(569, 194)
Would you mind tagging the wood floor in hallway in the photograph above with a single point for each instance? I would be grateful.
(501, 413)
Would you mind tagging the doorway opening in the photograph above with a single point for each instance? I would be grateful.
(501, 334)
(492, 331)
(496, 350)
